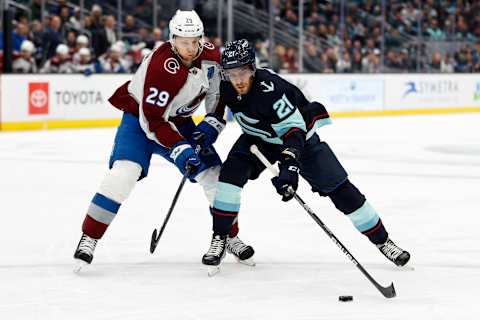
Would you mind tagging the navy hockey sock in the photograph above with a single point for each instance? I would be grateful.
(348, 199)
(225, 208)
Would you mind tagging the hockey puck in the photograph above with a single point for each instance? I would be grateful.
(345, 298)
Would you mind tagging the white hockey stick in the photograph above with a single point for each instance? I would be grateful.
(388, 292)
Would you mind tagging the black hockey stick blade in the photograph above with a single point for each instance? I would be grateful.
(388, 292)
(154, 241)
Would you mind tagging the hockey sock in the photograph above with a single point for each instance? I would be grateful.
(367, 221)
(222, 221)
(225, 208)
(348, 199)
(100, 214)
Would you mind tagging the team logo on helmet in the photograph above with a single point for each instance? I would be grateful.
(171, 65)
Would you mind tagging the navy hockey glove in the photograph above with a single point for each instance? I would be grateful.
(208, 130)
(288, 176)
(183, 156)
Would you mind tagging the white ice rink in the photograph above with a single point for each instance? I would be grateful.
(421, 173)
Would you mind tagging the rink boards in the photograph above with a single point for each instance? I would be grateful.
(34, 102)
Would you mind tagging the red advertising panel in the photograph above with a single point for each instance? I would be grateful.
(38, 98)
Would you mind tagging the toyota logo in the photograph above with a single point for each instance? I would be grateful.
(38, 98)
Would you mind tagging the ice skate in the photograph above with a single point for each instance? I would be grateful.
(84, 252)
(394, 253)
(215, 254)
(243, 253)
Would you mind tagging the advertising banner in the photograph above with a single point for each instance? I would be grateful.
(58, 97)
(341, 92)
(64, 101)
(431, 91)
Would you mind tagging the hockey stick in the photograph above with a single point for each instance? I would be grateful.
(388, 292)
(155, 238)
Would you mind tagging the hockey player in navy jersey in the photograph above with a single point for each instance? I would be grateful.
(275, 116)
(158, 104)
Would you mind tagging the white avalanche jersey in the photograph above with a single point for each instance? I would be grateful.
(164, 92)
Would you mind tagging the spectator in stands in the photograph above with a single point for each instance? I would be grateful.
(313, 63)
(36, 35)
(70, 41)
(51, 38)
(130, 30)
(435, 64)
(261, 54)
(85, 63)
(434, 31)
(60, 62)
(105, 36)
(344, 64)
(145, 36)
(371, 62)
(65, 19)
(113, 61)
(25, 63)
(158, 38)
(291, 60)
(96, 15)
(80, 43)
(20, 34)
(447, 65)
(330, 59)
(110, 33)
(463, 61)
(278, 59)
(75, 20)
(163, 25)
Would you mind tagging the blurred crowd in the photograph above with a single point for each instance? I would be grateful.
(64, 43)
(352, 42)
(64, 40)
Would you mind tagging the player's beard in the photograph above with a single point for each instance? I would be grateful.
(244, 87)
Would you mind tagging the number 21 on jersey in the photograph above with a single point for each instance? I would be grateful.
(156, 98)
(283, 107)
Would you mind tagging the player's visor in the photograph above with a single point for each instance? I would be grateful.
(239, 73)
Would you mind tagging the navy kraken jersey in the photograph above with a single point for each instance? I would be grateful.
(273, 108)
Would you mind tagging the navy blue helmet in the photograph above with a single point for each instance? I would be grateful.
(236, 54)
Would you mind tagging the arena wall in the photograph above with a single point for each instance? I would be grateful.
(33, 102)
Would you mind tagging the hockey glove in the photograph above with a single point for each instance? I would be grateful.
(287, 179)
(184, 156)
(208, 130)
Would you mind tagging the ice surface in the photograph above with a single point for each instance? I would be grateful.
(421, 173)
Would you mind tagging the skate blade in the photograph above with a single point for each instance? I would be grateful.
(213, 270)
(248, 262)
(407, 268)
(79, 265)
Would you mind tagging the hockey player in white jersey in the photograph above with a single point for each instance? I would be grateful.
(158, 105)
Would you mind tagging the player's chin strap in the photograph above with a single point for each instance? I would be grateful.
(388, 292)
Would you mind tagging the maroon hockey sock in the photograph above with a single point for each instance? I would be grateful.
(234, 231)
(93, 228)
